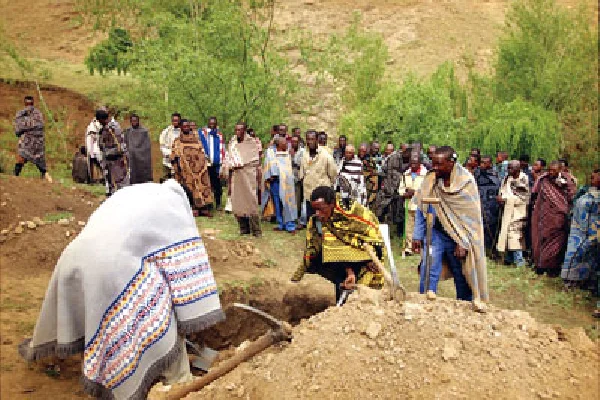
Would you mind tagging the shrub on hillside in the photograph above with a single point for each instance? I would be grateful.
(520, 128)
(549, 57)
(111, 54)
(424, 110)
(206, 59)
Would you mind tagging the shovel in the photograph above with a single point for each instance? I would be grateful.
(279, 331)
(205, 356)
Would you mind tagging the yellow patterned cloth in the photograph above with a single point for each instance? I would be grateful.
(341, 239)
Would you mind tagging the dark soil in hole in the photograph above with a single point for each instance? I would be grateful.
(285, 302)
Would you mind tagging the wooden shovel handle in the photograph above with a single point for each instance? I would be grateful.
(431, 200)
(386, 275)
(260, 344)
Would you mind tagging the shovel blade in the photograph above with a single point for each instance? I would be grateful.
(204, 357)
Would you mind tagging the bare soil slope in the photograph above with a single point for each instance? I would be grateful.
(47, 29)
(420, 34)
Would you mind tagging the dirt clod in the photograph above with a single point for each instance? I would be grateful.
(373, 330)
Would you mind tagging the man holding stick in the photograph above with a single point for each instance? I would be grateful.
(450, 194)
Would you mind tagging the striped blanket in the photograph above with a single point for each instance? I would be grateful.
(278, 164)
(350, 182)
(134, 281)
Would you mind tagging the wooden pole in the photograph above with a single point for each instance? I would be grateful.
(260, 344)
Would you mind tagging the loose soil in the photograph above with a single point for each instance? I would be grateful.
(27, 260)
(419, 349)
(23, 199)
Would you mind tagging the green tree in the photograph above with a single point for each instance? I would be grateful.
(549, 57)
(111, 54)
(428, 110)
(206, 58)
(519, 127)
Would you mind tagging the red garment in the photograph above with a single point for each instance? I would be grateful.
(550, 221)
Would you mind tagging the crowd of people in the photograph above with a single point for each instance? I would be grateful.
(129, 310)
(529, 214)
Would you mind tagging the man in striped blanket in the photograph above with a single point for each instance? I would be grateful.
(350, 182)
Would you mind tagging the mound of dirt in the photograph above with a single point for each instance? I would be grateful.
(228, 252)
(418, 349)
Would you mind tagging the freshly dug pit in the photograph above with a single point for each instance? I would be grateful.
(288, 303)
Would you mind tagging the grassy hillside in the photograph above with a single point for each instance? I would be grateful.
(52, 42)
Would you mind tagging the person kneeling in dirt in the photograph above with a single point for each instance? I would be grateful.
(127, 290)
(335, 237)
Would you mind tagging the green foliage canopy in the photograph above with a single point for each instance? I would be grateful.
(520, 127)
(549, 56)
(427, 111)
(541, 99)
(111, 54)
(208, 59)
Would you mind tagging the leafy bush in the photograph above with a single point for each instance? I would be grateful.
(519, 127)
(111, 54)
(208, 59)
(540, 100)
(549, 57)
(427, 111)
(354, 61)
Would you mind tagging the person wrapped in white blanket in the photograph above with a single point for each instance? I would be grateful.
(127, 290)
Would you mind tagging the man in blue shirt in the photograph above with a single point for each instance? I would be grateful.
(501, 167)
(443, 247)
(214, 148)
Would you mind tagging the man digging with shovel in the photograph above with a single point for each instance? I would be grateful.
(450, 197)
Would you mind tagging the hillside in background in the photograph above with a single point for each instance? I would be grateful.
(419, 34)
